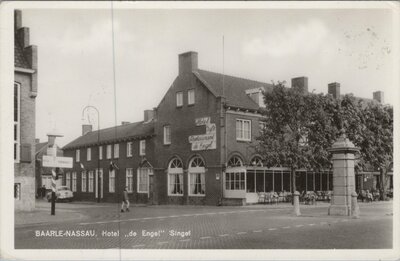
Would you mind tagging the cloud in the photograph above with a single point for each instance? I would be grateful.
(303, 38)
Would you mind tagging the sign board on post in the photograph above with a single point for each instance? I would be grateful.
(54, 162)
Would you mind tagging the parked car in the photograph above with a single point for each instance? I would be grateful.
(62, 193)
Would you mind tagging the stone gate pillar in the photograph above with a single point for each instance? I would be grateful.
(343, 151)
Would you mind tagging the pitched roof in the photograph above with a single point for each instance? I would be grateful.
(234, 88)
(19, 57)
(112, 134)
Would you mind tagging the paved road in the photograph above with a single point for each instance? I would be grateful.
(186, 227)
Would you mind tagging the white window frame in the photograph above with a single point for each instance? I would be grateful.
(173, 172)
(140, 181)
(111, 181)
(77, 155)
(129, 149)
(17, 124)
(100, 152)
(179, 99)
(197, 170)
(240, 130)
(116, 151)
(91, 181)
(89, 154)
(142, 148)
(109, 151)
(74, 181)
(84, 181)
(191, 97)
(129, 179)
(167, 134)
(68, 180)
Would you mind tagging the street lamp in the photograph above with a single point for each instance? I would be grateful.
(98, 142)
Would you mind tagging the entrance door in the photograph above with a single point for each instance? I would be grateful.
(151, 189)
(99, 174)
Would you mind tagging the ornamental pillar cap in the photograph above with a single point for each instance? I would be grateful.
(343, 145)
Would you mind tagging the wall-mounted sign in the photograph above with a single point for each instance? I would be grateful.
(206, 141)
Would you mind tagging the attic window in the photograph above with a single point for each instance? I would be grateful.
(256, 94)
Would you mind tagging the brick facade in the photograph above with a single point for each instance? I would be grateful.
(25, 77)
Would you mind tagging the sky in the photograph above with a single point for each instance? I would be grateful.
(75, 55)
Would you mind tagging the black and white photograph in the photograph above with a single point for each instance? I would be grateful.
(199, 130)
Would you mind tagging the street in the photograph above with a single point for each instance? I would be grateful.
(103, 226)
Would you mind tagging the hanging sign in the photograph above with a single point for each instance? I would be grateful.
(206, 141)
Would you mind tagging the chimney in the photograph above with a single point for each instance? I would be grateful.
(17, 19)
(378, 96)
(148, 115)
(334, 89)
(86, 128)
(300, 83)
(187, 62)
(124, 122)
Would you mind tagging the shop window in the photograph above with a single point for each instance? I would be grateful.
(197, 177)
(235, 180)
(175, 177)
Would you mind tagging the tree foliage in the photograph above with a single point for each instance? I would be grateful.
(300, 128)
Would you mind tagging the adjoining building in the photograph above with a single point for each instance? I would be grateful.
(25, 92)
(200, 146)
(108, 160)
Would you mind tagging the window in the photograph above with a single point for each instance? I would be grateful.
(175, 177)
(111, 181)
(83, 188)
(77, 155)
(243, 130)
(89, 154)
(263, 125)
(17, 107)
(235, 161)
(234, 180)
(167, 134)
(197, 177)
(129, 149)
(100, 152)
(17, 191)
(142, 148)
(109, 151)
(68, 180)
(256, 161)
(179, 99)
(143, 179)
(116, 151)
(91, 181)
(74, 181)
(191, 97)
(129, 179)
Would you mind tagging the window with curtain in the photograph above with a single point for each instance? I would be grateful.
(197, 176)
(175, 177)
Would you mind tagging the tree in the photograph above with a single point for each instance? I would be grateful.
(297, 130)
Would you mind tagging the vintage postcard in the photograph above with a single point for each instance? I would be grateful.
(199, 130)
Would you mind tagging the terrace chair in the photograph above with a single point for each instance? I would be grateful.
(261, 197)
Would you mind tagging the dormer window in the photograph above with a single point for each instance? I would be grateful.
(256, 94)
